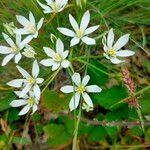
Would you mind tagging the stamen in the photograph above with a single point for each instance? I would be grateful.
(57, 57)
(80, 33)
(111, 52)
(30, 80)
(80, 89)
(30, 101)
(31, 28)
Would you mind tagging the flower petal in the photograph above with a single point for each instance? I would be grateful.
(88, 41)
(5, 50)
(121, 42)
(66, 32)
(37, 91)
(85, 80)
(39, 80)
(110, 38)
(93, 89)
(31, 18)
(24, 110)
(116, 60)
(34, 109)
(76, 78)
(91, 29)
(16, 83)
(7, 59)
(55, 66)
(18, 103)
(49, 51)
(8, 39)
(85, 20)
(73, 22)
(21, 31)
(40, 23)
(125, 53)
(65, 63)
(67, 89)
(22, 20)
(24, 73)
(47, 62)
(18, 57)
(59, 47)
(74, 102)
(35, 69)
(65, 54)
(25, 90)
(74, 41)
(87, 99)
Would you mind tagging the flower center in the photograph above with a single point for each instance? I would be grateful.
(80, 33)
(31, 28)
(14, 49)
(30, 80)
(80, 89)
(111, 52)
(57, 57)
(30, 101)
(55, 7)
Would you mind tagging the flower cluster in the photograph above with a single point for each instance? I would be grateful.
(29, 92)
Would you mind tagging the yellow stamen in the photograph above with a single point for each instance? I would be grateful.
(111, 52)
(30, 80)
(14, 49)
(31, 28)
(55, 7)
(80, 33)
(30, 101)
(80, 89)
(57, 57)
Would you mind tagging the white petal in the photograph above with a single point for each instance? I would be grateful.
(91, 29)
(73, 22)
(21, 31)
(37, 91)
(24, 110)
(88, 41)
(26, 40)
(55, 66)
(16, 83)
(31, 18)
(116, 60)
(85, 80)
(85, 20)
(7, 59)
(34, 108)
(66, 32)
(39, 80)
(18, 103)
(124, 53)
(93, 89)
(23, 72)
(18, 57)
(49, 51)
(8, 39)
(76, 78)
(67, 89)
(65, 54)
(18, 94)
(18, 39)
(25, 90)
(35, 69)
(46, 8)
(59, 47)
(5, 50)
(74, 41)
(110, 38)
(22, 20)
(87, 99)
(121, 42)
(47, 62)
(65, 63)
(40, 23)
(74, 102)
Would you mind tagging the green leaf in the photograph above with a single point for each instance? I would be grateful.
(96, 72)
(13, 115)
(57, 134)
(55, 102)
(109, 97)
(5, 103)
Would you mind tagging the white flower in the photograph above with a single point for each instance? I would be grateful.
(53, 6)
(112, 51)
(81, 31)
(80, 88)
(10, 27)
(29, 52)
(29, 82)
(57, 59)
(30, 27)
(14, 50)
(87, 107)
(28, 101)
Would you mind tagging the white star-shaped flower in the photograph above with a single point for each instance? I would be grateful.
(80, 32)
(14, 50)
(28, 82)
(53, 6)
(28, 101)
(57, 58)
(29, 27)
(80, 88)
(112, 51)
